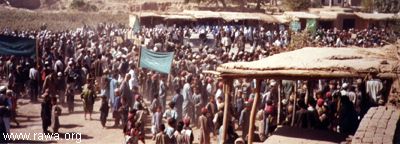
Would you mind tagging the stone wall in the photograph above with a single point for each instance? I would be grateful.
(378, 126)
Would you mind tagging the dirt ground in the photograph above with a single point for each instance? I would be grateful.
(91, 130)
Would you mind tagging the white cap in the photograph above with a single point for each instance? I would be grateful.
(3, 88)
(345, 85)
(272, 83)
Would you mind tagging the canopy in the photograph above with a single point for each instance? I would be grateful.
(281, 18)
(300, 14)
(312, 62)
(179, 17)
(378, 16)
(231, 16)
(148, 14)
(202, 14)
(331, 15)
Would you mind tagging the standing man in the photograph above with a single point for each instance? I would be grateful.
(204, 127)
(89, 97)
(178, 100)
(97, 68)
(187, 105)
(374, 88)
(34, 83)
(46, 112)
(61, 85)
(198, 103)
(5, 108)
(49, 84)
(244, 120)
(162, 93)
(125, 90)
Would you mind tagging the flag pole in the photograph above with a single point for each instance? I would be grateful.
(37, 53)
(140, 55)
(38, 77)
(169, 74)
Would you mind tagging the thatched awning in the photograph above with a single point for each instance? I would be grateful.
(378, 16)
(148, 14)
(300, 14)
(232, 16)
(281, 18)
(313, 62)
(330, 15)
(179, 17)
(202, 14)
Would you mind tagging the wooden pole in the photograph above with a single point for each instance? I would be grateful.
(37, 66)
(279, 101)
(294, 102)
(140, 54)
(227, 84)
(253, 112)
(37, 53)
(307, 93)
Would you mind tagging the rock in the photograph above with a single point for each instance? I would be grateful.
(28, 4)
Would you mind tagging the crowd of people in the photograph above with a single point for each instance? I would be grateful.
(103, 62)
(373, 37)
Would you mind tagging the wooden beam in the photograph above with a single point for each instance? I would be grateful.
(279, 101)
(226, 90)
(294, 103)
(253, 112)
(211, 72)
(298, 74)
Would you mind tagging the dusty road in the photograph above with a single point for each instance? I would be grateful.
(91, 130)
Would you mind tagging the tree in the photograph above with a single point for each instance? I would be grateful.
(368, 5)
(381, 6)
(216, 2)
(297, 5)
(387, 6)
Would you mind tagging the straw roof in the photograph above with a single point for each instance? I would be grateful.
(378, 16)
(267, 18)
(301, 14)
(281, 18)
(231, 16)
(319, 63)
(148, 14)
(331, 15)
(202, 14)
(195, 15)
(179, 17)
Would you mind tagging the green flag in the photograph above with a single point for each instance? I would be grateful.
(295, 26)
(17, 46)
(312, 25)
(157, 61)
(134, 22)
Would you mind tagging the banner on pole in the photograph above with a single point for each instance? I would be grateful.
(312, 25)
(17, 46)
(157, 61)
(295, 26)
(134, 23)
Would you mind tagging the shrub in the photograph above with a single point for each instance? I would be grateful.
(297, 5)
(83, 6)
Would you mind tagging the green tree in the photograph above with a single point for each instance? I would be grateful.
(381, 6)
(297, 5)
(367, 5)
(387, 6)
